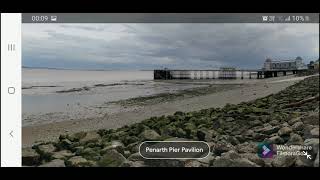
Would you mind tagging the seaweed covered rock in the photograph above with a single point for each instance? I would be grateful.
(150, 135)
(111, 159)
(30, 157)
(54, 163)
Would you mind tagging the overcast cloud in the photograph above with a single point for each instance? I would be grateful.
(149, 46)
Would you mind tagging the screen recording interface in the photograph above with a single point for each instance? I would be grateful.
(159, 90)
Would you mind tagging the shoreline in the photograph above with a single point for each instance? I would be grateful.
(134, 114)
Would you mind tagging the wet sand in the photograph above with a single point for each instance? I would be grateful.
(132, 114)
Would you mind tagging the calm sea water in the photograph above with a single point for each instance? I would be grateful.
(41, 102)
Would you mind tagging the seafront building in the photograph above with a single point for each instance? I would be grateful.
(295, 64)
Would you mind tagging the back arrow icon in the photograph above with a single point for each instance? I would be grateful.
(11, 133)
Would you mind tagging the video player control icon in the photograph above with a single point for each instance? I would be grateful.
(11, 90)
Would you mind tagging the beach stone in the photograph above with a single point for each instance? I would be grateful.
(30, 157)
(255, 123)
(285, 131)
(314, 132)
(302, 161)
(314, 143)
(192, 163)
(316, 162)
(111, 159)
(268, 130)
(295, 139)
(133, 164)
(275, 140)
(221, 147)
(126, 154)
(283, 161)
(253, 157)
(226, 162)
(311, 119)
(64, 154)
(65, 144)
(274, 123)
(150, 135)
(259, 136)
(91, 137)
(246, 148)
(77, 136)
(204, 135)
(117, 145)
(78, 161)
(133, 147)
(135, 157)
(190, 129)
(91, 153)
(46, 151)
(54, 163)
(298, 126)
(294, 120)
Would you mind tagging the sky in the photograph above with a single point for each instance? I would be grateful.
(132, 46)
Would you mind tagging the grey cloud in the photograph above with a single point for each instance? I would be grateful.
(172, 45)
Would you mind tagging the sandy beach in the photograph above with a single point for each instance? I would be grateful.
(133, 114)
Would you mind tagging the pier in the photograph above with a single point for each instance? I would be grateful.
(224, 73)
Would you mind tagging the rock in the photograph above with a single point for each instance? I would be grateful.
(91, 137)
(54, 163)
(294, 120)
(126, 154)
(259, 136)
(117, 145)
(30, 157)
(231, 155)
(233, 140)
(230, 119)
(150, 135)
(314, 132)
(133, 164)
(78, 161)
(192, 163)
(91, 153)
(285, 131)
(255, 123)
(165, 162)
(64, 154)
(133, 147)
(298, 126)
(190, 129)
(135, 157)
(314, 143)
(283, 161)
(268, 130)
(77, 136)
(302, 161)
(253, 157)
(46, 151)
(274, 122)
(240, 162)
(111, 159)
(311, 119)
(221, 147)
(316, 162)
(275, 140)
(205, 162)
(204, 135)
(246, 148)
(295, 139)
(65, 144)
